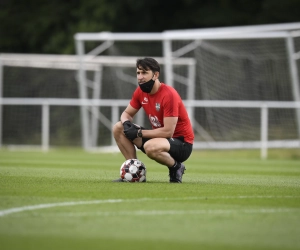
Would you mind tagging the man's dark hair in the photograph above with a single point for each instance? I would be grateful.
(148, 63)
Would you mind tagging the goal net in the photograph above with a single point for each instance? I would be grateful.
(31, 82)
(27, 78)
(240, 82)
(245, 70)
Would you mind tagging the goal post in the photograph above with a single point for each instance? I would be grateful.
(258, 63)
(245, 63)
(46, 88)
(218, 48)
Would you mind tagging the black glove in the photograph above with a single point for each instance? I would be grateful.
(131, 132)
(127, 124)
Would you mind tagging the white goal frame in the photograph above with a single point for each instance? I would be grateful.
(71, 62)
(288, 31)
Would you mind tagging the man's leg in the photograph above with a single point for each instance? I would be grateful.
(158, 149)
(126, 146)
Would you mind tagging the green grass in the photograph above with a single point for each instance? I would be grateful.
(228, 200)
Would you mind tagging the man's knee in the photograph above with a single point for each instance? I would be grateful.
(118, 128)
(151, 149)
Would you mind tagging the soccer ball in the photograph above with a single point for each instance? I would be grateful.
(133, 170)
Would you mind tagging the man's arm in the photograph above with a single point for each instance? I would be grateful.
(165, 132)
(128, 114)
(130, 129)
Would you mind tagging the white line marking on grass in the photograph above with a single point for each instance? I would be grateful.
(61, 204)
(75, 203)
(172, 212)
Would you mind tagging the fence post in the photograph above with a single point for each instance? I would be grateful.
(1, 96)
(264, 132)
(167, 52)
(115, 117)
(45, 127)
(83, 96)
(294, 75)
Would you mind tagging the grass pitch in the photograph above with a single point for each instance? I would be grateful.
(65, 199)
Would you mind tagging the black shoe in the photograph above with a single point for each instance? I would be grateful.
(118, 180)
(176, 175)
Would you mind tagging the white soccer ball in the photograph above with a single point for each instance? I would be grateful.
(133, 170)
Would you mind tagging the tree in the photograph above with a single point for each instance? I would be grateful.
(34, 26)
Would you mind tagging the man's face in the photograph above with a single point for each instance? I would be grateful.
(143, 75)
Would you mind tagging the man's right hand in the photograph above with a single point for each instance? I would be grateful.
(127, 124)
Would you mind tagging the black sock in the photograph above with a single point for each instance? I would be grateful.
(176, 166)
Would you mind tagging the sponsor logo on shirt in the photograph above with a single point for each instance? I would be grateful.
(154, 121)
(145, 101)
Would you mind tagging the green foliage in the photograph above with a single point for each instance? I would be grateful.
(49, 26)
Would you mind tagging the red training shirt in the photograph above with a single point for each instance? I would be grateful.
(166, 102)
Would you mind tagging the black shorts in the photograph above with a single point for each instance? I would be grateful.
(179, 149)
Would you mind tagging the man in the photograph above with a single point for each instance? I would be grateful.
(170, 141)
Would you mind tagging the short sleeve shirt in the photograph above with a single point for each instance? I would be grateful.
(166, 102)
